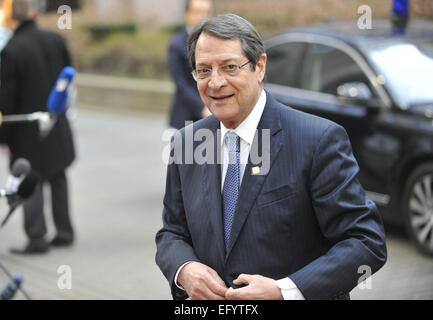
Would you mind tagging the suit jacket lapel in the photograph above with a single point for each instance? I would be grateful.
(252, 183)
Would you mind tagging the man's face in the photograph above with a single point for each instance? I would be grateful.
(229, 98)
(198, 10)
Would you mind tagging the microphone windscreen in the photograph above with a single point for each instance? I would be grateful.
(58, 98)
(21, 166)
(28, 185)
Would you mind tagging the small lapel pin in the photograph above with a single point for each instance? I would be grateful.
(255, 170)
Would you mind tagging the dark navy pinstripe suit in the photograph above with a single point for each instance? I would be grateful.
(308, 218)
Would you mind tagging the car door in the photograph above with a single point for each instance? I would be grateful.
(318, 70)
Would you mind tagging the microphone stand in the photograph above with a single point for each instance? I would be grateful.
(12, 208)
(8, 274)
(12, 279)
(36, 116)
(46, 120)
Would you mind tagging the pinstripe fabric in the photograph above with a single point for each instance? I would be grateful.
(308, 218)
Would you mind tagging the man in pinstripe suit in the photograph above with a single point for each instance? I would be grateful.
(301, 229)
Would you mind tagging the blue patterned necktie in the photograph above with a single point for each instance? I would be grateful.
(231, 183)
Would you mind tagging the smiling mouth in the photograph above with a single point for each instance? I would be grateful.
(222, 97)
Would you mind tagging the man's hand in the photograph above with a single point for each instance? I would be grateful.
(258, 288)
(201, 282)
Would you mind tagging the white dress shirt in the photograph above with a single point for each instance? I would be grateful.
(246, 131)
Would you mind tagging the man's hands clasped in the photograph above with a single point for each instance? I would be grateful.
(203, 283)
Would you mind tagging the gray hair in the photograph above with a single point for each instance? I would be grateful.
(229, 27)
(24, 9)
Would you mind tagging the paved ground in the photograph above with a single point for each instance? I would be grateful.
(116, 189)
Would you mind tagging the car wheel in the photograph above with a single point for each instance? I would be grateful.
(418, 207)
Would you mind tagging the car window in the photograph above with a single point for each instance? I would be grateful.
(283, 63)
(408, 69)
(326, 68)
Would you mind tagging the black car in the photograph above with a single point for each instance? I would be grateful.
(379, 87)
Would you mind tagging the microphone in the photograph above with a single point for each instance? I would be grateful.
(20, 167)
(25, 188)
(11, 289)
(58, 98)
(25, 191)
(57, 103)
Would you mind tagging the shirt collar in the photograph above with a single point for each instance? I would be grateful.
(247, 129)
(25, 24)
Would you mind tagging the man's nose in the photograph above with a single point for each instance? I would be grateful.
(216, 80)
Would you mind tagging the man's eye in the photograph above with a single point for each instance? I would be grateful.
(231, 67)
(203, 71)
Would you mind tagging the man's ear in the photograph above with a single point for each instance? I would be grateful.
(261, 67)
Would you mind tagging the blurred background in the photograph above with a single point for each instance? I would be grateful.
(117, 183)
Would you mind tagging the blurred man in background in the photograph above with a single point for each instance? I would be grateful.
(187, 105)
(30, 64)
